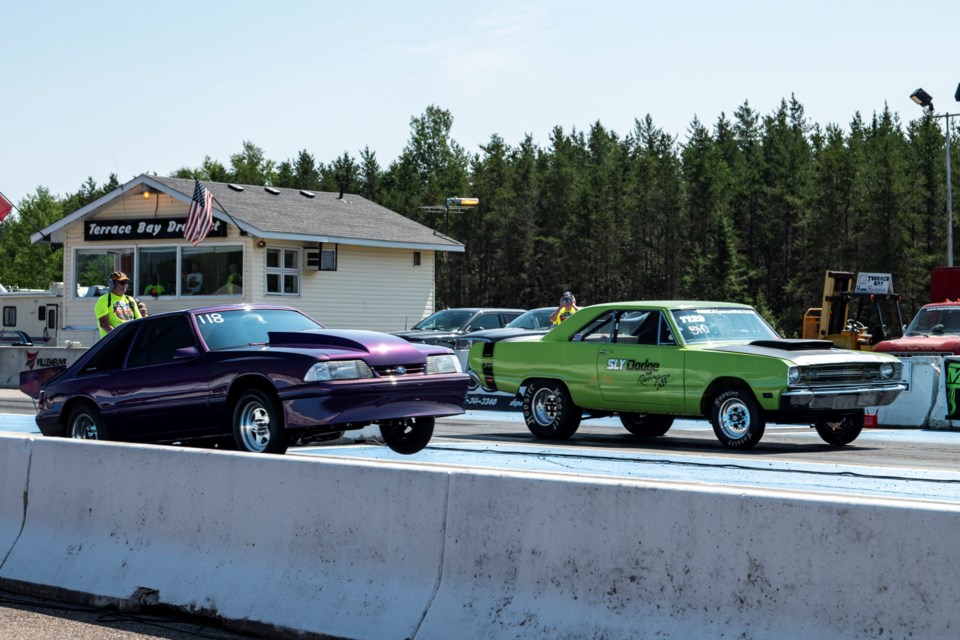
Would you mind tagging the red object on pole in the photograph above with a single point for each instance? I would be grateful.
(5, 207)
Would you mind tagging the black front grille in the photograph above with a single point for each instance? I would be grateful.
(395, 370)
(841, 374)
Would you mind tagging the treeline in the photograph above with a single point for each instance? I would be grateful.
(753, 208)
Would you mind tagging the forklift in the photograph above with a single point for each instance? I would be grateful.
(857, 312)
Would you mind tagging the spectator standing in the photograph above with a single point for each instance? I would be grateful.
(115, 307)
(568, 306)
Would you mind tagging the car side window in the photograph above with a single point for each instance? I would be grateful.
(158, 341)
(486, 321)
(111, 355)
(599, 330)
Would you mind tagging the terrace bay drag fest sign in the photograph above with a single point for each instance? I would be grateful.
(143, 229)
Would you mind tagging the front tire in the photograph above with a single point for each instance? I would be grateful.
(408, 435)
(737, 420)
(646, 425)
(549, 411)
(86, 423)
(837, 433)
(258, 423)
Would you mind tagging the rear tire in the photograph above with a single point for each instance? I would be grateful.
(837, 433)
(408, 435)
(737, 420)
(258, 423)
(646, 425)
(86, 423)
(549, 411)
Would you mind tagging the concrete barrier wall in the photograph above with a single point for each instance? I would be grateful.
(361, 549)
(326, 547)
(542, 558)
(14, 465)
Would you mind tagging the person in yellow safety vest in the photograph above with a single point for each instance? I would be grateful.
(115, 307)
(234, 280)
(568, 306)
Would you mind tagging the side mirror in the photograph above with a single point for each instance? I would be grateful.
(185, 353)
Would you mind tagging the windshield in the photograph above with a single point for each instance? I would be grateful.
(533, 319)
(935, 321)
(698, 326)
(446, 320)
(234, 328)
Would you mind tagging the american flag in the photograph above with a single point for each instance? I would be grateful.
(5, 207)
(200, 217)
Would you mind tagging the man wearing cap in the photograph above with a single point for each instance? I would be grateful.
(568, 306)
(116, 307)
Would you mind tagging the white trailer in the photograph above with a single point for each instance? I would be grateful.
(30, 316)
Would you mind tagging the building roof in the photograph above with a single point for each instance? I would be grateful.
(286, 214)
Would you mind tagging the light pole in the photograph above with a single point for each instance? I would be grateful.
(924, 99)
(455, 204)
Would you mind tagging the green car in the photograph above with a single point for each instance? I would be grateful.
(649, 362)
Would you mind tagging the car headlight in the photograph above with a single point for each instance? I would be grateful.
(338, 370)
(793, 375)
(446, 363)
(887, 370)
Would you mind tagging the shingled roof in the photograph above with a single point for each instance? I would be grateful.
(325, 217)
(286, 214)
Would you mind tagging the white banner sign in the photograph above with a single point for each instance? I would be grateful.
(874, 283)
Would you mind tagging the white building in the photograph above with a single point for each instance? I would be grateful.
(344, 260)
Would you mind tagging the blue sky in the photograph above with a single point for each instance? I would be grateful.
(93, 88)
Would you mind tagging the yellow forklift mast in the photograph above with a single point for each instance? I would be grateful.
(856, 312)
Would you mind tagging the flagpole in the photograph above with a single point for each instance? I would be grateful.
(15, 207)
(222, 208)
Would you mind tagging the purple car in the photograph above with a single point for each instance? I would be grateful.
(265, 375)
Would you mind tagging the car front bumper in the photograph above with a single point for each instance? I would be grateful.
(839, 399)
(373, 399)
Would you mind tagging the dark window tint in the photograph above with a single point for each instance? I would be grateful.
(158, 341)
(112, 349)
(9, 316)
(486, 321)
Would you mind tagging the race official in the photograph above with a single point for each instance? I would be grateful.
(115, 307)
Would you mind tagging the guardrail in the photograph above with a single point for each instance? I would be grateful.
(357, 549)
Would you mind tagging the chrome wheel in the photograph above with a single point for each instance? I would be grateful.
(84, 427)
(258, 423)
(734, 418)
(545, 406)
(254, 427)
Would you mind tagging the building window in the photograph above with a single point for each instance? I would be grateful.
(156, 272)
(283, 271)
(211, 271)
(9, 316)
(328, 257)
(93, 269)
(416, 258)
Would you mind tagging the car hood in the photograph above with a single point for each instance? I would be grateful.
(495, 335)
(921, 344)
(426, 336)
(801, 352)
(376, 348)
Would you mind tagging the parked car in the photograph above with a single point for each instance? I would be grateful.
(444, 327)
(263, 375)
(651, 361)
(533, 322)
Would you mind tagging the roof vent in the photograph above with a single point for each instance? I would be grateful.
(235, 187)
(309, 194)
(272, 191)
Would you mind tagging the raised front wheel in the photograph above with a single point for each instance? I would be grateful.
(842, 430)
(408, 435)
